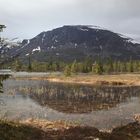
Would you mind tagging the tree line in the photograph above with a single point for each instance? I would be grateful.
(108, 66)
(98, 66)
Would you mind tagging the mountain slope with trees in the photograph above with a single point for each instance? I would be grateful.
(69, 43)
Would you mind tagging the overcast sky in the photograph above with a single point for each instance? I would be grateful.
(27, 18)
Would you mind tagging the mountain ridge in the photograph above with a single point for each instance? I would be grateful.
(71, 42)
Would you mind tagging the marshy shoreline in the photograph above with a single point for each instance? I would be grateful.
(84, 79)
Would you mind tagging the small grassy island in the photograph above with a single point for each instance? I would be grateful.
(87, 79)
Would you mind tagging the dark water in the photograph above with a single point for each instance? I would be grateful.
(102, 107)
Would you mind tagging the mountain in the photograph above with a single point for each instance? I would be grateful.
(7, 49)
(68, 43)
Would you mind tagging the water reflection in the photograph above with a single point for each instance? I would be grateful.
(2, 78)
(81, 99)
(75, 98)
(101, 107)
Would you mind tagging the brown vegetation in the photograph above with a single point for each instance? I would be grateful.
(90, 79)
(44, 130)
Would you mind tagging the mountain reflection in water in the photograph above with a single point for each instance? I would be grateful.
(80, 99)
(75, 98)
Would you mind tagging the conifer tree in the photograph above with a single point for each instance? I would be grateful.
(29, 64)
(67, 71)
(110, 65)
(74, 67)
(87, 65)
(18, 65)
(99, 67)
(130, 65)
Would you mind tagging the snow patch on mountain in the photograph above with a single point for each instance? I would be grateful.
(56, 40)
(96, 27)
(28, 41)
(43, 38)
(82, 29)
(57, 54)
(8, 46)
(128, 39)
(52, 47)
(27, 54)
(85, 27)
(36, 49)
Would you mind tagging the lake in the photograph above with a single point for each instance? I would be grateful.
(101, 107)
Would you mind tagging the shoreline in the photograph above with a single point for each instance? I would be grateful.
(87, 79)
(46, 130)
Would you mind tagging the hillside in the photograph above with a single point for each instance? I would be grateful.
(68, 43)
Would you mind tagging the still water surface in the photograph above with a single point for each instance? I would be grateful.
(101, 107)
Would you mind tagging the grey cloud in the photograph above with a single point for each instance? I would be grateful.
(27, 18)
